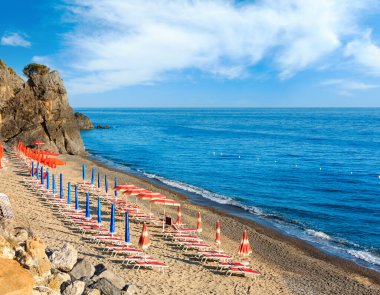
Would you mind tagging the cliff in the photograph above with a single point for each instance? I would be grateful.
(84, 122)
(37, 110)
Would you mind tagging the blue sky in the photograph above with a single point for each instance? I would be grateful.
(131, 53)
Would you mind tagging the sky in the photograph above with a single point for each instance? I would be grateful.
(201, 53)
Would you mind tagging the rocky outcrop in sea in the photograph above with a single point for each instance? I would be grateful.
(37, 109)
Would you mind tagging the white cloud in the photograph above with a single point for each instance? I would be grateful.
(126, 42)
(14, 39)
(347, 87)
(365, 52)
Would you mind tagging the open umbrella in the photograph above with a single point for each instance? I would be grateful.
(60, 186)
(144, 241)
(83, 172)
(99, 211)
(69, 193)
(199, 223)
(245, 248)
(112, 224)
(134, 192)
(115, 191)
(88, 214)
(217, 235)
(165, 202)
(150, 196)
(127, 231)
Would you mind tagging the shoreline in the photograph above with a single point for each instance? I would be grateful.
(271, 232)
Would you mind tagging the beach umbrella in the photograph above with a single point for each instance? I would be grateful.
(83, 172)
(124, 187)
(199, 223)
(68, 193)
(76, 199)
(60, 186)
(217, 235)
(115, 191)
(127, 232)
(179, 216)
(99, 211)
(112, 223)
(88, 214)
(32, 168)
(150, 196)
(106, 183)
(144, 241)
(93, 176)
(37, 170)
(42, 174)
(165, 202)
(99, 181)
(245, 248)
(53, 184)
(47, 179)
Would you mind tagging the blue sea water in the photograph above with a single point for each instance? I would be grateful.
(311, 173)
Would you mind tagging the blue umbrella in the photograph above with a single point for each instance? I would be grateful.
(127, 233)
(106, 183)
(32, 169)
(53, 185)
(47, 178)
(99, 180)
(93, 176)
(69, 193)
(42, 174)
(76, 199)
(37, 170)
(112, 224)
(83, 172)
(60, 186)
(88, 214)
(115, 186)
(99, 211)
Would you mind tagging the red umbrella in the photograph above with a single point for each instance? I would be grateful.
(150, 196)
(144, 241)
(217, 236)
(124, 187)
(245, 248)
(199, 223)
(165, 202)
(179, 216)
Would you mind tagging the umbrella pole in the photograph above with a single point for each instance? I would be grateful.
(163, 220)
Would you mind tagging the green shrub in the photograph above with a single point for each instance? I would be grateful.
(35, 69)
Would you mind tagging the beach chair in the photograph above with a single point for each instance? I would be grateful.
(122, 249)
(194, 246)
(225, 265)
(245, 271)
(215, 257)
(150, 264)
(132, 259)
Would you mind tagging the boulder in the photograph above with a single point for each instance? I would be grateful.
(111, 277)
(75, 288)
(6, 249)
(83, 268)
(21, 235)
(65, 258)
(106, 287)
(14, 279)
(36, 260)
(83, 121)
(38, 110)
(129, 290)
(56, 280)
(91, 292)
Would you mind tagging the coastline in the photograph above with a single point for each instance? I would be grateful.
(349, 268)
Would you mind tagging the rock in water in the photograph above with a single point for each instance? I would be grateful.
(83, 268)
(65, 258)
(37, 110)
(84, 122)
(14, 279)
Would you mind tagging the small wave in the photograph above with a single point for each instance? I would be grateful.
(318, 234)
(366, 256)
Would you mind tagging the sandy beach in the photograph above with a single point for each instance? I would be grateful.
(287, 265)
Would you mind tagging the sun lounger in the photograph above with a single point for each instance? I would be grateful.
(228, 264)
(132, 259)
(194, 245)
(246, 271)
(150, 264)
(216, 256)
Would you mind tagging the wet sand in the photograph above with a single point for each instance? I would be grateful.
(287, 265)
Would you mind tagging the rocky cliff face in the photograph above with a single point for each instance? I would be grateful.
(37, 110)
(84, 122)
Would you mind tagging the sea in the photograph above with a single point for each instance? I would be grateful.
(309, 173)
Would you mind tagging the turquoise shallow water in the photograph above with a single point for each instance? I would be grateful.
(311, 173)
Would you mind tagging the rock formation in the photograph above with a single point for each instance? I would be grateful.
(84, 122)
(37, 110)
